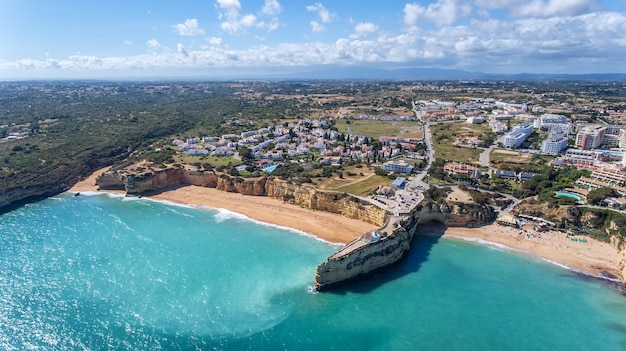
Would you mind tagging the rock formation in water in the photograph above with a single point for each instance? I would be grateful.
(365, 256)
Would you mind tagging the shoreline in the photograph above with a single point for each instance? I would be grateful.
(593, 257)
(330, 227)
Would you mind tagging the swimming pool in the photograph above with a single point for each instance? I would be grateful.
(578, 198)
(270, 169)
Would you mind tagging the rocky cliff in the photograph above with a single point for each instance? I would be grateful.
(456, 214)
(619, 243)
(151, 181)
(309, 197)
(364, 256)
(17, 196)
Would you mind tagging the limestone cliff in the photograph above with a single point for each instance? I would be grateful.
(366, 257)
(619, 243)
(362, 257)
(21, 195)
(456, 214)
(147, 181)
(309, 197)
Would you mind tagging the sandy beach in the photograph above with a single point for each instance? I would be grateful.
(330, 227)
(593, 257)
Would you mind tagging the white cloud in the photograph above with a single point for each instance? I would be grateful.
(443, 12)
(188, 28)
(248, 20)
(154, 44)
(181, 49)
(585, 43)
(236, 22)
(215, 41)
(551, 8)
(364, 29)
(317, 27)
(323, 13)
(232, 6)
(128, 42)
(272, 8)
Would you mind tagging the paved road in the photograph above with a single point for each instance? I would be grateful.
(484, 156)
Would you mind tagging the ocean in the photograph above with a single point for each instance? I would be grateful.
(109, 273)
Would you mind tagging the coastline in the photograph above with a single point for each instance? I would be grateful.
(593, 257)
(330, 227)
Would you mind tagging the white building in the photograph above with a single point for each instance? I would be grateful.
(554, 144)
(399, 166)
(517, 136)
(476, 120)
(553, 122)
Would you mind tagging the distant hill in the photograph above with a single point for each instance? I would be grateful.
(367, 73)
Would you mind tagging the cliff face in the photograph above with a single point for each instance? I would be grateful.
(309, 197)
(457, 214)
(619, 243)
(366, 259)
(153, 181)
(21, 195)
(369, 257)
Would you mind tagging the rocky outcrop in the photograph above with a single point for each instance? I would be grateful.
(457, 214)
(362, 256)
(17, 196)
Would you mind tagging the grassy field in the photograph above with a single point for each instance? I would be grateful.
(362, 183)
(445, 135)
(503, 155)
(366, 186)
(457, 153)
(213, 160)
(375, 129)
(519, 161)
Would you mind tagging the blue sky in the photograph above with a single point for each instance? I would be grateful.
(95, 39)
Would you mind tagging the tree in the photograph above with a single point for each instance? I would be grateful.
(596, 196)
(245, 153)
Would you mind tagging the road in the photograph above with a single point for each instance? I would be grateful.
(418, 180)
(484, 156)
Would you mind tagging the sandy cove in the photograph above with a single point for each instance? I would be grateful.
(331, 227)
(594, 257)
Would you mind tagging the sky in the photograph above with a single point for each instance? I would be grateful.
(42, 39)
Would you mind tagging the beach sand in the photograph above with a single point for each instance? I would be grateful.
(330, 227)
(593, 257)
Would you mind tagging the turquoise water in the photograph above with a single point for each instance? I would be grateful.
(570, 195)
(100, 273)
(271, 169)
